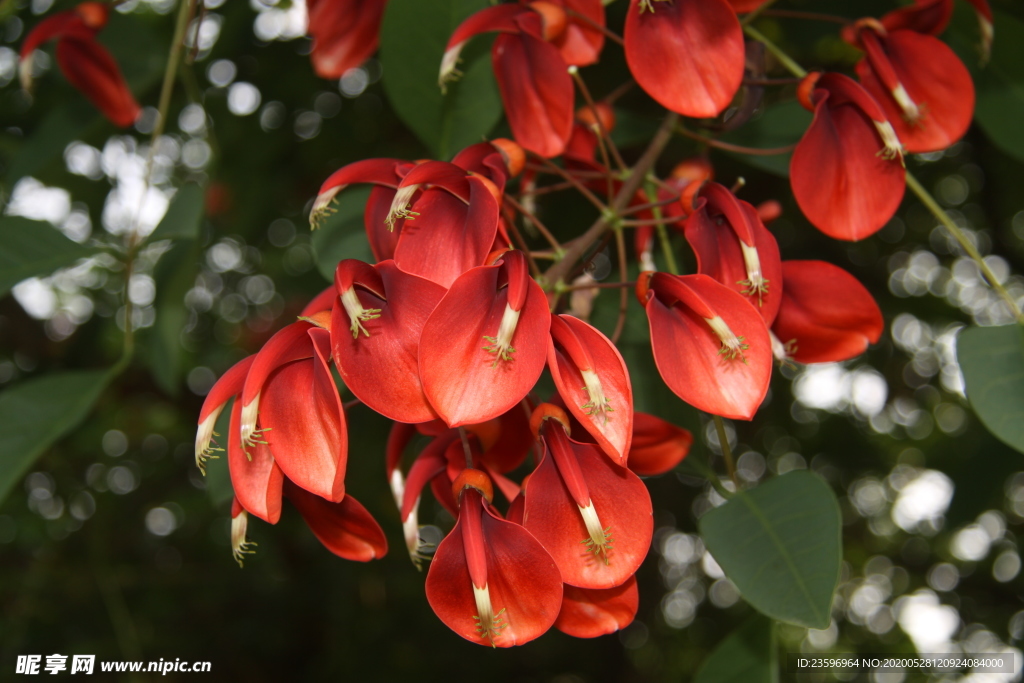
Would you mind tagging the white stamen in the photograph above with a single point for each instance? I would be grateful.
(893, 148)
(732, 346)
(911, 112)
(249, 413)
(356, 312)
(400, 206)
(239, 546)
(647, 261)
(599, 405)
(203, 438)
(599, 543)
(488, 624)
(755, 283)
(987, 34)
(778, 348)
(322, 206)
(501, 345)
(448, 71)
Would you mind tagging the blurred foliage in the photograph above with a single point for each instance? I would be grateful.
(114, 544)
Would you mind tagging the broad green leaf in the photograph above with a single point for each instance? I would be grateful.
(781, 545)
(175, 275)
(56, 131)
(184, 215)
(412, 42)
(37, 412)
(778, 126)
(30, 248)
(343, 234)
(992, 360)
(218, 478)
(747, 655)
(999, 85)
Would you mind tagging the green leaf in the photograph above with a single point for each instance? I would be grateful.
(37, 412)
(992, 360)
(999, 85)
(184, 216)
(175, 275)
(218, 478)
(343, 234)
(30, 248)
(747, 655)
(412, 41)
(781, 545)
(47, 141)
(778, 126)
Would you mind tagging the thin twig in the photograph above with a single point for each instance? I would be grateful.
(620, 323)
(729, 147)
(536, 223)
(611, 35)
(604, 135)
(810, 16)
(577, 185)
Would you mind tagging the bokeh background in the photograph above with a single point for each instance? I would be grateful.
(113, 544)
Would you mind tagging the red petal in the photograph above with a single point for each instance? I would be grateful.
(924, 16)
(345, 528)
(826, 312)
(56, 26)
(448, 238)
(576, 346)
(497, 18)
(345, 33)
(580, 43)
(230, 384)
(465, 383)
(622, 504)
(935, 79)
(688, 352)
(589, 613)
(382, 238)
(382, 369)
(256, 482)
(537, 92)
(91, 69)
(304, 424)
(523, 581)
(658, 446)
(842, 184)
(717, 230)
(686, 54)
(288, 344)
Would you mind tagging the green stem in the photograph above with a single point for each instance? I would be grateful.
(783, 58)
(968, 246)
(723, 440)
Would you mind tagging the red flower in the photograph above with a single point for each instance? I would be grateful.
(847, 170)
(686, 54)
(733, 246)
(581, 42)
(658, 446)
(535, 86)
(375, 334)
(84, 62)
(491, 581)
(826, 314)
(345, 528)
(932, 17)
(924, 88)
(345, 33)
(577, 496)
(484, 346)
(710, 345)
(593, 612)
(593, 381)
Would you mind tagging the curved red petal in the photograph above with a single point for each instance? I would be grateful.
(288, 344)
(91, 69)
(923, 16)
(229, 384)
(500, 18)
(935, 80)
(447, 237)
(345, 528)
(537, 92)
(524, 584)
(658, 445)
(255, 477)
(686, 54)
(464, 382)
(589, 612)
(601, 398)
(844, 186)
(303, 421)
(690, 355)
(381, 366)
(622, 505)
(581, 42)
(826, 313)
(345, 33)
